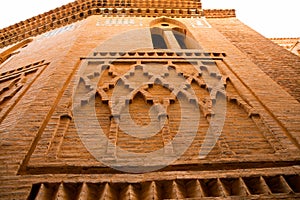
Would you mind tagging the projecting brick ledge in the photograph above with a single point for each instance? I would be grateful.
(219, 13)
(77, 11)
(80, 10)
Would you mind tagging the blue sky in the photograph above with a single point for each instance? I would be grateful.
(271, 18)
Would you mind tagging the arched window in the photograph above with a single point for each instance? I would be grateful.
(158, 40)
(171, 34)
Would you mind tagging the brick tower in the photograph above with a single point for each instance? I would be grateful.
(146, 99)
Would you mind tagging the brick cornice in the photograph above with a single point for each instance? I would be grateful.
(219, 13)
(81, 9)
(291, 38)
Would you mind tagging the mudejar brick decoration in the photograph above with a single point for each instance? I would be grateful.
(146, 99)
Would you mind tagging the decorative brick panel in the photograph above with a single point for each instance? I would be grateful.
(64, 81)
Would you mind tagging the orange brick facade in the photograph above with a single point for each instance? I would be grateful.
(291, 44)
(221, 100)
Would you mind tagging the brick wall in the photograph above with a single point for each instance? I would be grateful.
(42, 155)
(281, 65)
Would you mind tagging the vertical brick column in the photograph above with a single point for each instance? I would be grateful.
(171, 40)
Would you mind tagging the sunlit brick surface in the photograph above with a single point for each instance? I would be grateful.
(222, 63)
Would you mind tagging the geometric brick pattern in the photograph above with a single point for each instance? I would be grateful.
(252, 138)
(15, 83)
(45, 82)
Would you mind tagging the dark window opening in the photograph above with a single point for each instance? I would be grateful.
(158, 42)
(180, 39)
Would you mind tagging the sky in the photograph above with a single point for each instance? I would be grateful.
(271, 18)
